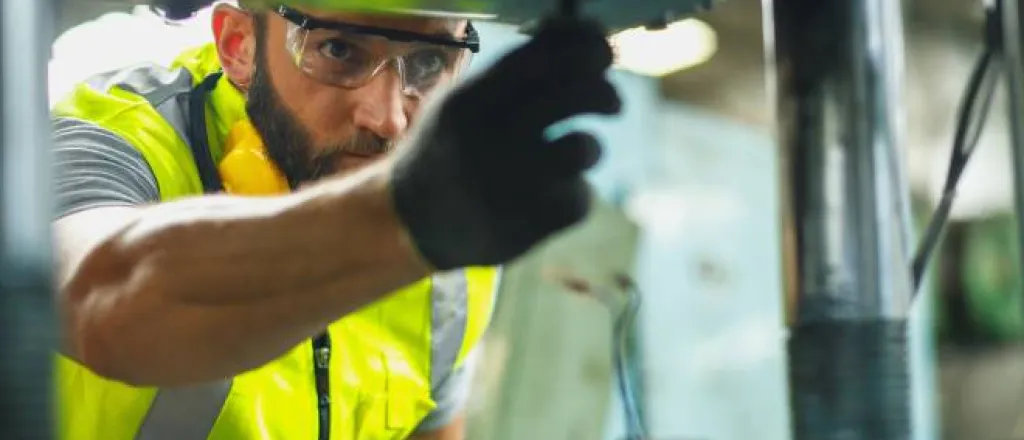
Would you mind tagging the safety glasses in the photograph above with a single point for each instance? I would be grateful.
(350, 55)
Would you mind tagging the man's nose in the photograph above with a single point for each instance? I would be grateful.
(381, 107)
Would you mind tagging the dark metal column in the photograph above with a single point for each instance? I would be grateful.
(1014, 57)
(26, 326)
(836, 79)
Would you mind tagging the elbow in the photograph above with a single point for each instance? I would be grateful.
(114, 341)
(103, 311)
(98, 354)
(89, 340)
(93, 340)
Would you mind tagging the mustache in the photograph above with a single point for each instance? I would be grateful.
(367, 143)
(364, 143)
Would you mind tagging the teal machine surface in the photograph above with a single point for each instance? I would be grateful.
(836, 84)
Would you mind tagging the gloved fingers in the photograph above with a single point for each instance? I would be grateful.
(524, 168)
(575, 152)
(561, 27)
(524, 114)
(566, 157)
(562, 205)
(563, 50)
(543, 108)
(565, 64)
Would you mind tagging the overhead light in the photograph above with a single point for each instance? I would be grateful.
(678, 46)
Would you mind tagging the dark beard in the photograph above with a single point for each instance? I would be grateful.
(287, 142)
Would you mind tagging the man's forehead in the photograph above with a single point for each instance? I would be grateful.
(434, 26)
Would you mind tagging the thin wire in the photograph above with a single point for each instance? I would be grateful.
(971, 122)
(623, 328)
(624, 315)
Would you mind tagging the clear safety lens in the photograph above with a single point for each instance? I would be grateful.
(350, 60)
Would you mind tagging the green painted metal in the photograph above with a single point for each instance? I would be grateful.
(615, 14)
(991, 280)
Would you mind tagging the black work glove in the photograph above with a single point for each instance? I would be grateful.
(479, 184)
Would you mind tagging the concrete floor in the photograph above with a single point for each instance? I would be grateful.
(982, 392)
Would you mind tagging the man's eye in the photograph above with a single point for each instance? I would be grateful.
(428, 63)
(336, 49)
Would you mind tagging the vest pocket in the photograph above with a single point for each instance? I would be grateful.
(408, 396)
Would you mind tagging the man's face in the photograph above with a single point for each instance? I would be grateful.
(312, 129)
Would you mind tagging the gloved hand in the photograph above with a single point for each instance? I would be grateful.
(478, 183)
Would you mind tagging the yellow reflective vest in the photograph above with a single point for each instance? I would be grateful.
(369, 377)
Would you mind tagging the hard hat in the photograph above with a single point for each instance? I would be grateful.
(181, 9)
(451, 9)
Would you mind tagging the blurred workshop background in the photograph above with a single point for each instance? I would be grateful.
(691, 209)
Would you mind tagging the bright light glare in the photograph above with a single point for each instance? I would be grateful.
(681, 45)
(126, 39)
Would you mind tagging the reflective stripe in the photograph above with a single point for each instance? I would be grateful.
(166, 90)
(175, 111)
(186, 413)
(448, 323)
(153, 82)
(482, 297)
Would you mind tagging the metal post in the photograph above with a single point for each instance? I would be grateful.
(837, 69)
(26, 326)
(1012, 47)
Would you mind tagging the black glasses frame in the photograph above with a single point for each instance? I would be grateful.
(472, 41)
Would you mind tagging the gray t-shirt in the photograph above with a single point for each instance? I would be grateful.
(94, 168)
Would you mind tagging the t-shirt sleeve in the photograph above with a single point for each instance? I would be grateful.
(450, 395)
(94, 167)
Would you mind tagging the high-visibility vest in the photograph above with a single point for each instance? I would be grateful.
(383, 360)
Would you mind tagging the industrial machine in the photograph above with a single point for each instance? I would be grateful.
(836, 75)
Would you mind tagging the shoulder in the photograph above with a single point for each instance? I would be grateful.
(146, 107)
(142, 91)
(111, 97)
(117, 90)
(93, 167)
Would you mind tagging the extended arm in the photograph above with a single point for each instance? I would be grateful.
(207, 287)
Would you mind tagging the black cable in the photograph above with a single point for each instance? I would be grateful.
(971, 121)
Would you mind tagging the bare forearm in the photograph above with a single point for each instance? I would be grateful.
(205, 288)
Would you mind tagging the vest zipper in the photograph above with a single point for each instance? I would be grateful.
(321, 373)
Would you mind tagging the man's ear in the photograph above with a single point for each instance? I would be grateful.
(234, 33)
